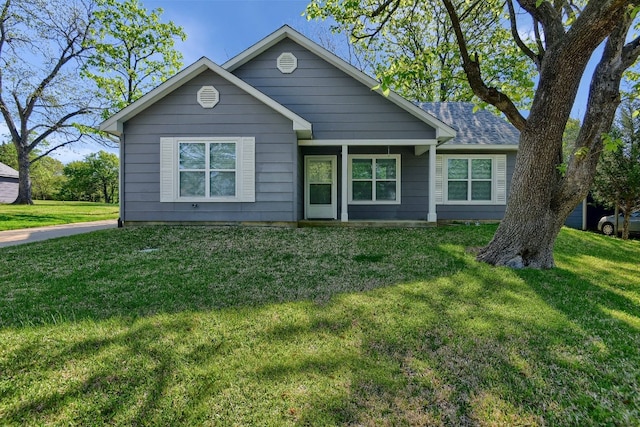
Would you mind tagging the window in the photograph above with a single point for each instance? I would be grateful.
(374, 179)
(471, 179)
(207, 169)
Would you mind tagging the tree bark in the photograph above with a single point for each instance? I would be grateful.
(526, 235)
(24, 181)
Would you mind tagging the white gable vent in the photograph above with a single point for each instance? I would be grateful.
(287, 62)
(208, 96)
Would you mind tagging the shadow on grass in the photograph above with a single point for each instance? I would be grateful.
(436, 340)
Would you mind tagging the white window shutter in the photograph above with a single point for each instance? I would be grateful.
(501, 179)
(439, 179)
(248, 170)
(167, 168)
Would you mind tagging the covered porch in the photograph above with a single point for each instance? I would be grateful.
(372, 182)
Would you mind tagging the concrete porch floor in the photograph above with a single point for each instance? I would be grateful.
(366, 223)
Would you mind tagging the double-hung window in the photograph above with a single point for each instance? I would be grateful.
(471, 179)
(207, 169)
(374, 179)
(201, 169)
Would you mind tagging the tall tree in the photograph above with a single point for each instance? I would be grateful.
(94, 178)
(42, 44)
(134, 52)
(58, 59)
(416, 53)
(617, 181)
(79, 184)
(564, 34)
(104, 168)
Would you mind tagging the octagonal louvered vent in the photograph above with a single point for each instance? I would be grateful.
(208, 96)
(287, 62)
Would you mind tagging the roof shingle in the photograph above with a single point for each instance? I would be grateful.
(479, 128)
(8, 172)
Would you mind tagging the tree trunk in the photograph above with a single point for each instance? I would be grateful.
(105, 192)
(625, 222)
(533, 219)
(24, 181)
(534, 214)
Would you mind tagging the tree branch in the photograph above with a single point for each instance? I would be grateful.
(56, 126)
(382, 8)
(536, 30)
(471, 67)
(548, 16)
(602, 103)
(537, 59)
(51, 150)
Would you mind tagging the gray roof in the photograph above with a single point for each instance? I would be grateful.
(479, 128)
(8, 172)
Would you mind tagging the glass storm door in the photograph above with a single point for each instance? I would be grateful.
(320, 200)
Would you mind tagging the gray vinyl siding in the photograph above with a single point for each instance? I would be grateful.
(477, 212)
(339, 106)
(237, 114)
(8, 189)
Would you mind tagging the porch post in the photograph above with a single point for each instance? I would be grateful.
(344, 214)
(432, 216)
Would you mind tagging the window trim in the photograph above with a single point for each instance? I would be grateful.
(498, 182)
(170, 169)
(374, 157)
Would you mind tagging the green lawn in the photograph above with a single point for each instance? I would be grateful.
(325, 326)
(43, 213)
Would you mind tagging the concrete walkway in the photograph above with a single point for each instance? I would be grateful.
(28, 235)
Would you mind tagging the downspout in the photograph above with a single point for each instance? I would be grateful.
(121, 182)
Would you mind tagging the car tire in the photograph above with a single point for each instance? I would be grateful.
(608, 229)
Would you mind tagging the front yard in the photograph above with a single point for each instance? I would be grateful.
(324, 326)
(50, 212)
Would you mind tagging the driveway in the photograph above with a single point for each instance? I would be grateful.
(28, 235)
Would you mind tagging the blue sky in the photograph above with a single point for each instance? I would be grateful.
(220, 29)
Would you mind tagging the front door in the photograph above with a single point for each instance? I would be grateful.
(320, 193)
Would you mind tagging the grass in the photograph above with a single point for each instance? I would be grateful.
(261, 326)
(44, 212)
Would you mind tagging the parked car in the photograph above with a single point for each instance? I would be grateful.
(606, 223)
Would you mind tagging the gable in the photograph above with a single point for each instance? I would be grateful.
(115, 123)
(339, 106)
(330, 83)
